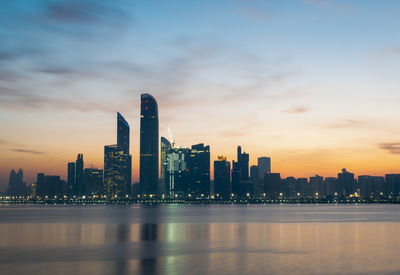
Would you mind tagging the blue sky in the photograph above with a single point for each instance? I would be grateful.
(298, 80)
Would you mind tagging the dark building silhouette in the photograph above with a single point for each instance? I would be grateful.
(289, 187)
(165, 147)
(177, 171)
(49, 186)
(301, 186)
(331, 186)
(264, 166)
(272, 185)
(199, 170)
(243, 160)
(79, 181)
(16, 184)
(236, 179)
(346, 183)
(118, 163)
(222, 178)
(254, 172)
(123, 130)
(72, 190)
(316, 187)
(148, 145)
(393, 185)
(94, 181)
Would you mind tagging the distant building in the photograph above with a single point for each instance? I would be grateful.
(264, 166)
(346, 183)
(289, 187)
(199, 170)
(331, 186)
(236, 179)
(316, 187)
(165, 147)
(272, 185)
(49, 186)
(16, 184)
(79, 181)
(72, 190)
(148, 145)
(393, 185)
(301, 187)
(94, 181)
(254, 172)
(176, 171)
(117, 166)
(222, 178)
(243, 160)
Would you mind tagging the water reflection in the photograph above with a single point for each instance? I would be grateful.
(112, 241)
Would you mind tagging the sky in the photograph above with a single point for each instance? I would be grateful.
(314, 84)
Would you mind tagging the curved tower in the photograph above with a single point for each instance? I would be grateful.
(122, 133)
(148, 144)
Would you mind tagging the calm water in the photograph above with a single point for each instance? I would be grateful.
(183, 239)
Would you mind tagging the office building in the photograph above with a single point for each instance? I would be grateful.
(222, 178)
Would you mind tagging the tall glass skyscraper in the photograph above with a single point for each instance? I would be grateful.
(148, 145)
(118, 162)
(80, 184)
(122, 133)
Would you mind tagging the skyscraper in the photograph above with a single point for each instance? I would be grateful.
(243, 162)
(79, 181)
(346, 183)
(222, 177)
(116, 171)
(165, 147)
(17, 186)
(264, 166)
(94, 181)
(177, 171)
(118, 163)
(71, 179)
(148, 145)
(122, 133)
(199, 170)
(272, 185)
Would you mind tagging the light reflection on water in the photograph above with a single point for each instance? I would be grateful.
(183, 239)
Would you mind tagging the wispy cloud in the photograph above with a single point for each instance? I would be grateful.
(346, 124)
(393, 148)
(296, 110)
(329, 4)
(27, 151)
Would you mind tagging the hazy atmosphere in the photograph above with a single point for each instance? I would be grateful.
(311, 83)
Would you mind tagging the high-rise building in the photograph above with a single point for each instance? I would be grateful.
(393, 185)
(148, 145)
(199, 170)
(118, 164)
(289, 187)
(71, 179)
(331, 186)
(243, 160)
(165, 147)
(346, 183)
(222, 178)
(94, 181)
(16, 184)
(264, 166)
(272, 185)
(176, 173)
(254, 172)
(123, 133)
(79, 181)
(236, 179)
(316, 187)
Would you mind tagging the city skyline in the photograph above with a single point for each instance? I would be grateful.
(312, 84)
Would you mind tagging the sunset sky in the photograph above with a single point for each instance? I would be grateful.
(314, 84)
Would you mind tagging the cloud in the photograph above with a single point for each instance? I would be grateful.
(296, 110)
(393, 148)
(329, 4)
(27, 151)
(346, 124)
(3, 141)
(255, 14)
